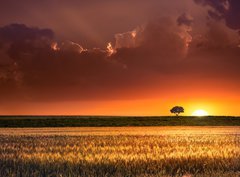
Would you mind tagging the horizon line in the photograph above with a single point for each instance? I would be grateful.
(75, 115)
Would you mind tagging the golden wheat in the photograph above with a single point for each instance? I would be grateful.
(120, 155)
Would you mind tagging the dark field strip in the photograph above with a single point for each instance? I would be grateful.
(114, 121)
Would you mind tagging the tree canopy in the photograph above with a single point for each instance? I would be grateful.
(177, 110)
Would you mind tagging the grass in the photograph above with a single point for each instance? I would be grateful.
(101, 121)
(130, 151)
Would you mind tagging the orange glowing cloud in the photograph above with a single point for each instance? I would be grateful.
(165, 62)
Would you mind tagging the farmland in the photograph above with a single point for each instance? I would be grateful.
(115, 121)
(120, 151)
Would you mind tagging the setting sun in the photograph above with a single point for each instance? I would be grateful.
(200, 113)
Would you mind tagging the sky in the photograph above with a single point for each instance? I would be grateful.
(119, 57)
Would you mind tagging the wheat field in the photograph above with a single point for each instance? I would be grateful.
(129, 151)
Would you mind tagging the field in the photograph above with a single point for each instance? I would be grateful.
(120, 151)
(113, 121)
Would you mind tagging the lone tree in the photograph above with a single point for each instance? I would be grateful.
(177, 110)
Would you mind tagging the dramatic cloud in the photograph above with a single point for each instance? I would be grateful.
(89, 23)
(224, 9)
(37, 66)
(19, 39)
(185, 19)
(157, 44)
(116, 50)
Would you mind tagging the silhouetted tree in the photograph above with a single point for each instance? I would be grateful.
(177, 110)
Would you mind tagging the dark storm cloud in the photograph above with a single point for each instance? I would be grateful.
(159, 43)
(91, 23)
(39, 68)
(20, 32)
(156, 53)
(224, 9)
(33, 66)
(185, 19)
(22, 39)
(18, 41)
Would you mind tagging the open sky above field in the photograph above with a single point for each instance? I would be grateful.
(119, 57)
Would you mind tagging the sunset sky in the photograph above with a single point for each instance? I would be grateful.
(119, 57)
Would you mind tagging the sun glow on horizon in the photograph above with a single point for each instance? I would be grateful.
(200, 113)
